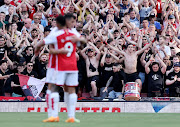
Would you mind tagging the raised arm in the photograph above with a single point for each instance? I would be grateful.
(116, 50)
(75, 6)
(152, 3)
(103, 58)
(83, 52)
(145, 47)
(147, 69)
(143, 62)
(163, 69)
(58, 10)
(97, 50)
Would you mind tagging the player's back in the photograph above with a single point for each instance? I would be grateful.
(67, 62)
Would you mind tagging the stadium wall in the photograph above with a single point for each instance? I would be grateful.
(124, 107)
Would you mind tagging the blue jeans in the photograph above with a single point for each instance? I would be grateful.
(114, 94)
(105, 94)
(142, 76)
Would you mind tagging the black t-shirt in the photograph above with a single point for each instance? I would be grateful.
(32, 74)
(117, 81)
(2, 81)
(171, 77)
(106, 73)
(155, 80)
(7, 17)
(140, 68)
(20, 26)
(27, 58)
(2, 51)
(40, 68)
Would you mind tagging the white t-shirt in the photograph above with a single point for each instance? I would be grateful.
(166, 49)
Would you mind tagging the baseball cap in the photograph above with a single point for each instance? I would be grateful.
(171, 17)
(90, 50)
(108, 56)
(177, 64)
(152, 15)
(15, 14)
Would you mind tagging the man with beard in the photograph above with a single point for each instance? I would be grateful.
(40, 65)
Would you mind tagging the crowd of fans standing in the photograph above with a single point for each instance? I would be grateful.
(128, 41)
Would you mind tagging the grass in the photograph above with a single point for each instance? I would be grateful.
(92, 120)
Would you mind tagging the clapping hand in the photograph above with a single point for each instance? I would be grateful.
(175, 77)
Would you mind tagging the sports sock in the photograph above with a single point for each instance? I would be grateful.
(54, 103)
(72, 105)
(66, 99)
(48, 101)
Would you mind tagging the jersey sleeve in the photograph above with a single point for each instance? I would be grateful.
(74, 31)
(51, 38)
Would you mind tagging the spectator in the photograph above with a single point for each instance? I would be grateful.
(173, 80)
(117, 81)
(155, 77)
(145, 9)
(3, 75)
(106, 72)
(28, 54)
(4, 8)
(92, 63)
(40, 65)
(29, 70)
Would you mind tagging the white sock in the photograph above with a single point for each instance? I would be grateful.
(54, 103)
(66, 99)
(48, 101)
(72, 105)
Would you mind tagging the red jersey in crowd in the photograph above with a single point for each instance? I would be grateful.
(12, 2)
(159, 6)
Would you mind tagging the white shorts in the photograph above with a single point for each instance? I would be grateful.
(50, 76)
(66, 78)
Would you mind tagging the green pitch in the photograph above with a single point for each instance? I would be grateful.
(92, 120)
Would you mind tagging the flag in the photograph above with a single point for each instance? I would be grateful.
(31, 86)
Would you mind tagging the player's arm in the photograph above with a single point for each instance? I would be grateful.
(57, 51)
(145, 47)
(78, 39)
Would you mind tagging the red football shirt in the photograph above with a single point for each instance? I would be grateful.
(62, 39)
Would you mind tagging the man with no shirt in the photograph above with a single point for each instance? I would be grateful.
(130, 61)
(92, 63)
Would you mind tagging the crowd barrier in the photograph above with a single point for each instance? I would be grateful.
(124, 107)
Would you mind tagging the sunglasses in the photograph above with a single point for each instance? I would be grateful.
(133, 34)
(30, 65)
(37, 18)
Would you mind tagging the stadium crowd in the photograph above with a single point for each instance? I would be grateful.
(128, 41)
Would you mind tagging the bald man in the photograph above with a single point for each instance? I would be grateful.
(27, 23)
